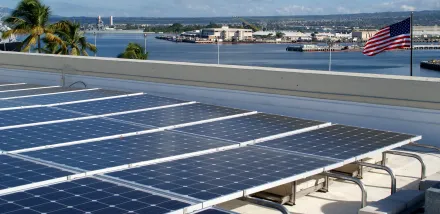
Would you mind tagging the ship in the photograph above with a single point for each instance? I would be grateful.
(8, 44)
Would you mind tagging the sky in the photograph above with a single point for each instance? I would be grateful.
(212, 8)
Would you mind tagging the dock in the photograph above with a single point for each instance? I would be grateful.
(317, 48)
(426, 47)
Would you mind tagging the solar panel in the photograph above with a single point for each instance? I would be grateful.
(16, 172)
(217, 175)
(120, 104)
(70, 97)
(33, 115)
(339, 141)
(88, 195)
(243, 129)
(128, 150)
(179, 115)
(9, 104)
(50, 134)
(35, 92)
(17, 87)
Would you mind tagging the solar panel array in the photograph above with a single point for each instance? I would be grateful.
(13, 94)
(87, 195)
(98, 151)
(8, 87)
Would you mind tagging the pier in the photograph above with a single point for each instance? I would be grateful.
(426, 47)
(317, 48)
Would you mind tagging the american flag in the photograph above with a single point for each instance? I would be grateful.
(396, 36)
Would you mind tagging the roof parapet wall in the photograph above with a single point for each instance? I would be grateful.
(405, 91)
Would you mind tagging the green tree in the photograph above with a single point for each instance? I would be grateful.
(31, 18)
(176, 27)
(279, 35)
(72, 40)
(213, 25)
(134, 51)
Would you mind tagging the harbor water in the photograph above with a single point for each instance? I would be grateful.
(268, 55)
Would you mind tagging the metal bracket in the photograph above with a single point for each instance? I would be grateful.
(387, 169)
(384, 158)
(266, 203)
(292, 200)
(325, 188)
(355, 180)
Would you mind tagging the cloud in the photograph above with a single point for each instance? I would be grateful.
(298, 10)
(345, 10)
(226, 8)
(407, 8)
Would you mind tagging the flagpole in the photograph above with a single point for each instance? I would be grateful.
(411, 69)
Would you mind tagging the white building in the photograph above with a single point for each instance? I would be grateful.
(427, 31)
(226, 33)
(111, 20)
(363, 35)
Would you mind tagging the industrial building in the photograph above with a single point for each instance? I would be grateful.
(363, 35)
(227, 34)
(427, 31)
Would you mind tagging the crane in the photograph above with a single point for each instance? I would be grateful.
(246, 23)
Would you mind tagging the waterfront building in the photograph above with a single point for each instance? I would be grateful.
(363, 35)
(427, 31)
(227, 33)
(111, 21)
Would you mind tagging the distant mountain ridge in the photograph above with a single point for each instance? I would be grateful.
(6, 10)
(362, 20)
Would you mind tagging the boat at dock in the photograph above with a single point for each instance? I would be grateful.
(431, 65)
(319, 48)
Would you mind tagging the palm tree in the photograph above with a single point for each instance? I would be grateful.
(72, 40)
(134, 51)
(30, 18)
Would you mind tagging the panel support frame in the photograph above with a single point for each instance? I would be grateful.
(354, 180)
(406, 154)
(382, 167)
(266, 203)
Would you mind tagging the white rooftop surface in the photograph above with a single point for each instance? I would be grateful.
(344, 197)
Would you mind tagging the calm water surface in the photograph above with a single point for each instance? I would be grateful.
(268, 55)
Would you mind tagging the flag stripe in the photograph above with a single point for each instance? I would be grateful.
(396, 36)
(393, 47)
(403, 38)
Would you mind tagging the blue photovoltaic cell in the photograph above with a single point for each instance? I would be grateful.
(16, 172)
(49, 134)
(116, 152)
(35, 92)
(251, 127)
(34, 115)
(218, 174)
(9, 104)
(69, 97)
(90, 196)
(179, 115)
(338, 141)
(17, 87)
(120, 104)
